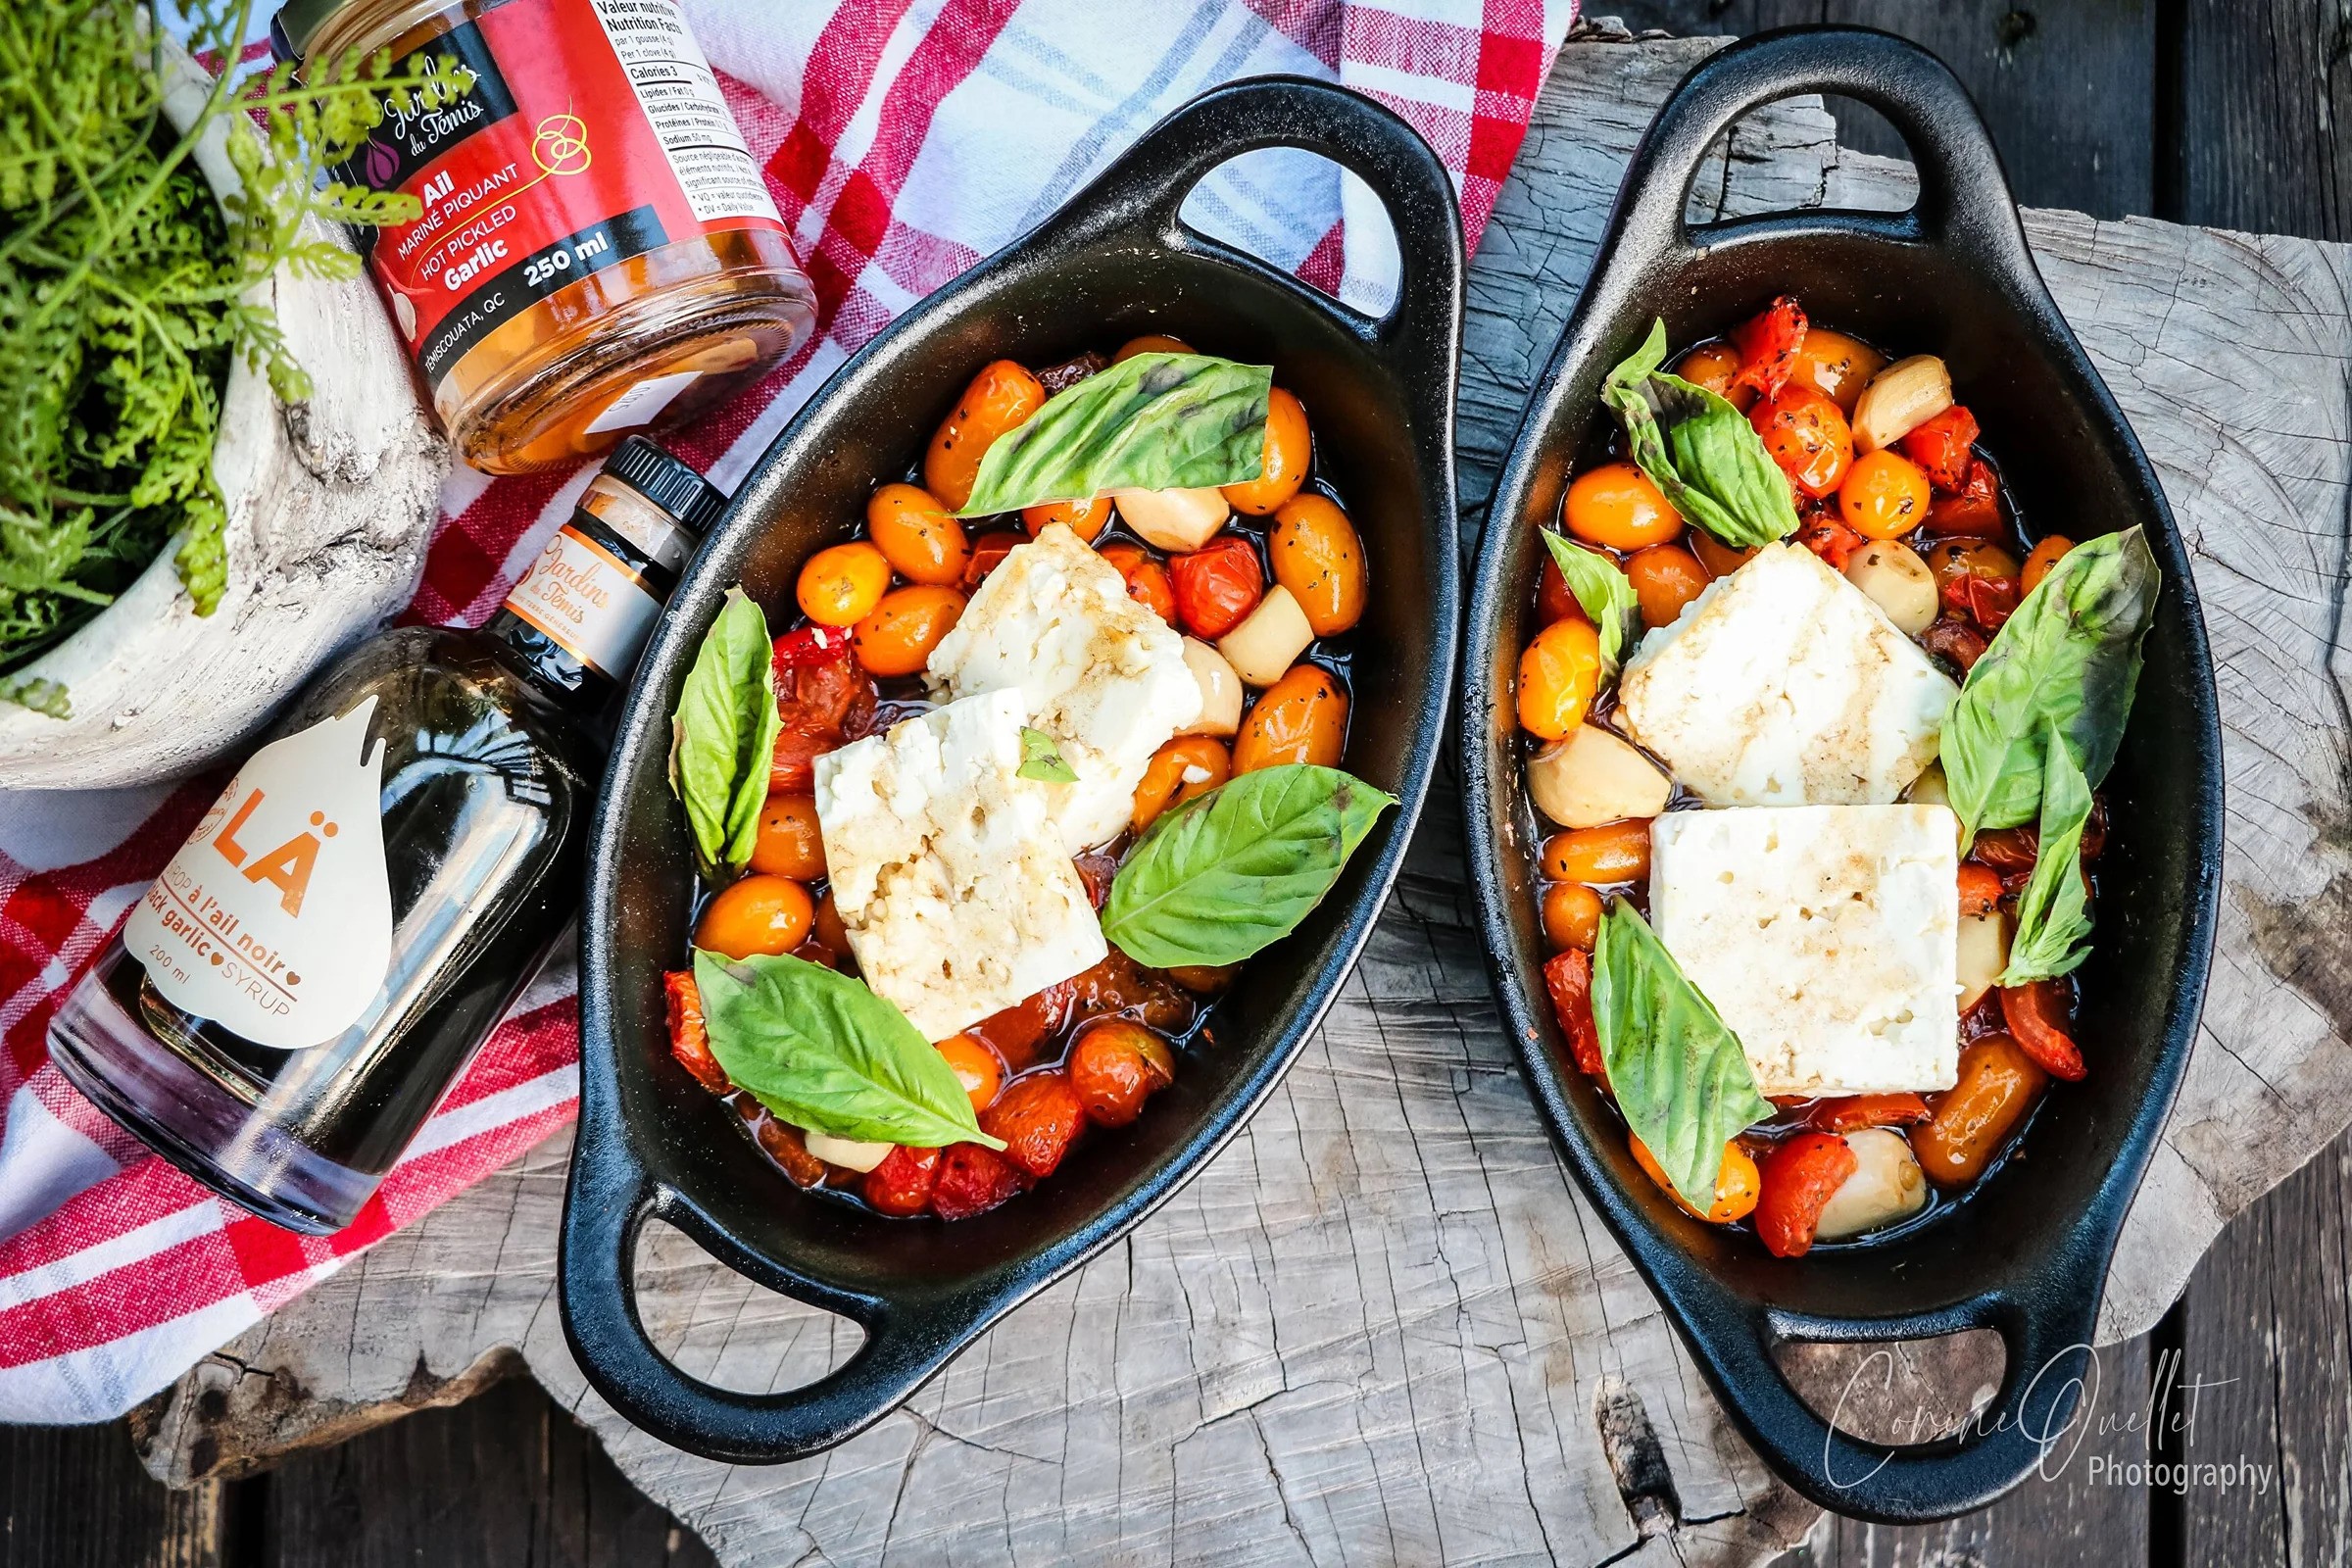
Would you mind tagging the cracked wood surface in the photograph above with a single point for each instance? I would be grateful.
(1382, 1325)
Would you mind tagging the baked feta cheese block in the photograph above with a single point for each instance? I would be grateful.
(1827, 937)
(1097, 671)
(948, 871)
(1782, 684)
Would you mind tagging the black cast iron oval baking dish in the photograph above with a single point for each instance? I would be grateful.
(1114, 262)
(2025, 1254)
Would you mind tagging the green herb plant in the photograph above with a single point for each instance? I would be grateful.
(126, 288)
(723, 733)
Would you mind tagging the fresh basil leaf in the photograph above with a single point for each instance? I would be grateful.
(1156, 421)
(826, 1053)
(1233, 871)
(1700, 451)
(723, 734)
(2053, 913)
(1677, 1069)
(2069, 657)
(1041, 758)
(1603, 592)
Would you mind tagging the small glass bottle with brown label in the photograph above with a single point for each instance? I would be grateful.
(291, 999)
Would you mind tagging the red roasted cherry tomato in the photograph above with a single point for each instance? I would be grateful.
(1568, 976)
(1941, 447)
(1807, 435)
(901, 1185)
(1979, 888)
(1801, 1177)
(1116, 1065)
(1831, 538)
(1768, 342)
(2036, 1017)
(1039, 1117)
(1217, 586)
(1147, 579)
(972, 1179)
(689, 1036)
(1848, 1114)
(988, 551)
(1974, 510)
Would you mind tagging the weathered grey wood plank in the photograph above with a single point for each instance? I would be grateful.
(1382, 1325)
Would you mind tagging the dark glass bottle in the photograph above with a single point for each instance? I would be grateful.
(291, 999)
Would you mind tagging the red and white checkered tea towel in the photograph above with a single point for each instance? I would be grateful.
(904, 140)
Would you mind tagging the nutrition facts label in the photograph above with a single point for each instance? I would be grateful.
(689, 114)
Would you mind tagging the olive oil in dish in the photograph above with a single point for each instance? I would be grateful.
(352, 917)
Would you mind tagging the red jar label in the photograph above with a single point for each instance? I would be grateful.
(594, 131)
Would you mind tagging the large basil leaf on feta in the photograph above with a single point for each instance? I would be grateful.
(1700, 451)
(1231, 871)
(1603, 592)
(2067, 660)
(823, 1052)
(1155, 421)
(1675, 1066)
(723, 734)
(2053, 913)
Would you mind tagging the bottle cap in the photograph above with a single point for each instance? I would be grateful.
(666, 482)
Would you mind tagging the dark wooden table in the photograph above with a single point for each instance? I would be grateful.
(2228, 112)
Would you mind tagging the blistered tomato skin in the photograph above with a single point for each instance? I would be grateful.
(901, 1185)
(1147, 581)
(908, 622)
(915, 535)
(1319, 558)
(1616, 505)
(758, 916)
(1038, 1116)
(1115, 1066)
(1301, 717)
(1558, 677)
(1001, 396)
(1216, 586)
(972, 1179)
(841, 585)
(1799, 1179)
(1288, 452)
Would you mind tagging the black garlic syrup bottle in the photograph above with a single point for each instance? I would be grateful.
(288, 1003)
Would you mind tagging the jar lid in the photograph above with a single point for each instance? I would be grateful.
(296, 23)
(668, 482)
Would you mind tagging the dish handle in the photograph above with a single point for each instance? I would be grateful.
(1964, 198)
(1145, 186)
(610, 1197)
(2027, 1423)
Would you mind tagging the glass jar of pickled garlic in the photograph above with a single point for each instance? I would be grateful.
(596, 253)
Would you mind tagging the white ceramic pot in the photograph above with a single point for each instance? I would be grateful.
(330, 505)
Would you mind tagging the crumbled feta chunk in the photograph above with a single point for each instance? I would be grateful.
(952, 881)
(1782, 684)
(1827, 937)
(1097, 671)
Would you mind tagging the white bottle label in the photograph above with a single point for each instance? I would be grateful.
(592, 603)
(274, 919)
(682, 101)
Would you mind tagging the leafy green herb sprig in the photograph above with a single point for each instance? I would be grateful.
(125, 289)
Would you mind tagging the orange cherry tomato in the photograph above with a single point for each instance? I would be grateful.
(976, 1067)
(1186, 766)
(841, 584)
(1558, 675)
(1720, 559)
(1001, 396)
(1615, 852)
(757, 914)
(1216, 586)
(1615, 505)
(1996, 1085)
(1737, 1185)
(1147, 581)
(1808, 437)
(827, 927)
(1319, 558)
(1151, 343)
(1665, 578)
(1884, 496)
(2044, 555)
(789, 842)
(1117, 1064)
(1715, 367)
(1571, 915)
(1798, 1180)
(1301, 717)
(1085, 518)
(1289, 449)
(899, 636)
(915, 535)
(1835, 365)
